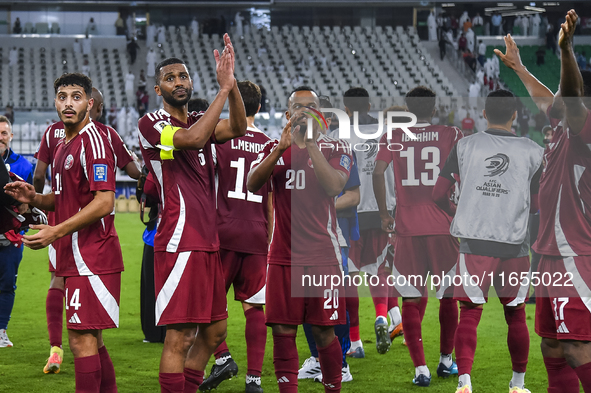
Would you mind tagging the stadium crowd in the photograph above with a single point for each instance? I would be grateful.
(232, 207)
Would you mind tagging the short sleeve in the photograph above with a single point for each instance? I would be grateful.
(150, 131)
(44, 151)
(383, 153)
(99, 162)
(121, 151)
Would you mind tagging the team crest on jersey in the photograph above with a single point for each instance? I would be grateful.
(100, 172)
(497, 164)
(69, 162)
(345, 162)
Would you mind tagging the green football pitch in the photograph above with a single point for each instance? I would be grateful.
(136, 363)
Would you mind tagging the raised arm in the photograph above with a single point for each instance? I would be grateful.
(541, 95)
(261, 172)
(571, 81)
(332, 180)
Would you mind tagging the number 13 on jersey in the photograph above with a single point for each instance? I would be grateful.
(431, 157)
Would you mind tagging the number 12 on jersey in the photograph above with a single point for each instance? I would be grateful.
(238, 192)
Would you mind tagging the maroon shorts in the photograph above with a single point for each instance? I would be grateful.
(320, 304)
(189, 287)
(247, 273)
(416, 257)
(368, 253)
(476, 273)
(563, 299)
(92, 302)
(52, 258)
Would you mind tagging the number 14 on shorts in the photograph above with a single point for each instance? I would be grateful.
(74, 301)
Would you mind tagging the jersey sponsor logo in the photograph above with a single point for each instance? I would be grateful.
(345, 162)
(497, 165)
(74, 319)
(100, 172)
(69, 162)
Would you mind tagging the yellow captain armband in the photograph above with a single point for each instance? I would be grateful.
(166, 145)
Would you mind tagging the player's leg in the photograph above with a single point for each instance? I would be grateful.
(561, 376)
(395, 329)
(255, 334)
(330, 357)
(108, 380)
(225, 367)
(465, 341)
(285, 357)
(87, 362)
(209, 337)
(10, 258)
(179, 339)
(578, 356)
(54, 310)
(356, 350)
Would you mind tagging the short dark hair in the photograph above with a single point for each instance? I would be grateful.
(500, 106)
(198, 105)
(164, 63)
(251, 96)
(356, 99)
(421, 102)
(325, 102)
(300, 88)
(74, 78)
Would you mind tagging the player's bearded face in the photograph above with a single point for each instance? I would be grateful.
(71, 104)
(175, 86)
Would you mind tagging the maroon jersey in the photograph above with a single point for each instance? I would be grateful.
(305, 231)
(186, 185)
(416, 167)
(242, 215)
(565, 194)
(84, 165)
(55, 132)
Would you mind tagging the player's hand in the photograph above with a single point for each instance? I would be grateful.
(311, 141)
(21, 191)
(224, 65)
(511, 59)
(46, 235)
(567, 30)
(286, 135)
(388, 224)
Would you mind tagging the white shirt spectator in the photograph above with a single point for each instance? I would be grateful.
(13, 57)
(151, 63)
(86, 46)
(161, 35)
(471, 38)
(76, 46)
(482, 49)
(481, 123)
(238, 24)
(432, 25)
(474, 91)
(194, 27)
(477, 21)
(196, 82)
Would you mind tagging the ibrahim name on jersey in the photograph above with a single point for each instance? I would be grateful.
(186, 184)
(565, 193)
(416, 168)
(242, 215)
(80, 167)
(305, 230)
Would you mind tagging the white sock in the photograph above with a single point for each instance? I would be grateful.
(422, 370)
(355, 344)
(464, 380)
(395, 317)
(518, 380)
(446, 360)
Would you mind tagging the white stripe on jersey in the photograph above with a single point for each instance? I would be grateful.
(83, 160)
(150, 116)
(523, 290)
(578, 281)
(157, 167)
(83, 269)
(563, 247)
(333, 239)
(473, 291)
(144, 142)
(51, 252)
(100, 144)
(579, 169)
(47, 137)
(171, 284)
(94, 148)
(104, 296)
(174, 241)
